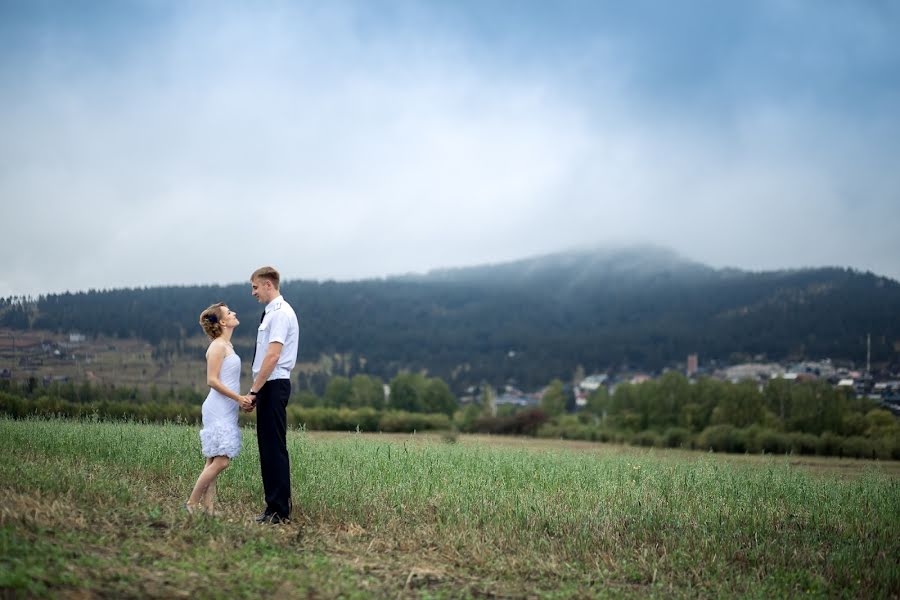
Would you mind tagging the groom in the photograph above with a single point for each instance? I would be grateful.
(276, 353)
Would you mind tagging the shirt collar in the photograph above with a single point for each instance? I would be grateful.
(275, 303)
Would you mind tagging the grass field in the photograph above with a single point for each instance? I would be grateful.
(93, 509)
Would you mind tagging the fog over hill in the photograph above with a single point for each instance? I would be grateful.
(582, 266)
(530, 320)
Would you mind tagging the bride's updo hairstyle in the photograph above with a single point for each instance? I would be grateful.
(209, 320)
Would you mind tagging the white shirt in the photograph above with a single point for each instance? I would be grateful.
(279, 324)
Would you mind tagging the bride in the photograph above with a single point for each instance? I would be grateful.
(220, 437)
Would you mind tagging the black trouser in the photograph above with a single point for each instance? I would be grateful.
(271, 435)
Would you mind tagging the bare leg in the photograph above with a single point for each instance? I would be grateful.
(209, 461)
(209, 498)
(214, 466)
(209, 495)
(199, 489)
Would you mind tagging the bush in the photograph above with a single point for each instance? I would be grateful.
(526, 422)
(829, 444)
(13, 406)
(893, 447)
(874, 448)
(803, 443)
(764, 440)
(856, 446)
(722, 438)
(334, 419)
(569, 431)
(323, 419)
(647, 439)
(772, 442)
(407, 422)
(676, 437)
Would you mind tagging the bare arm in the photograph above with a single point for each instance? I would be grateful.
(214, 358)
(269, 361)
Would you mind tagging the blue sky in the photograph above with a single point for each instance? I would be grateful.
(149, 143)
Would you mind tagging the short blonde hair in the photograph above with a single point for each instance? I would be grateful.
(210, 320)
(267, 273)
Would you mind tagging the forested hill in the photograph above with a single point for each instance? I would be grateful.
(529, 320)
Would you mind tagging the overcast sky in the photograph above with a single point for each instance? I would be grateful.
(150, 143)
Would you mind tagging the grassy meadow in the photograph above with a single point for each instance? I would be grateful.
(94, 508)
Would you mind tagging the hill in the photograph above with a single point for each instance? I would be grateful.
(526, 321)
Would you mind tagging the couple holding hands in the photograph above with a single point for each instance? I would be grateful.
(274, 357)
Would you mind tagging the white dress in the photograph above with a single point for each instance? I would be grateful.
(221, 435)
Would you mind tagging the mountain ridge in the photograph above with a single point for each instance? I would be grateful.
(602, 310)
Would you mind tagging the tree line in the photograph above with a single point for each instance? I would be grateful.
(782, 417)
(408, 392)
(808, 417)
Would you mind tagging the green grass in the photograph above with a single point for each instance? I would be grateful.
(96, 507)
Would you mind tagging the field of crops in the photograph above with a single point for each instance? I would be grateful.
(95, 508)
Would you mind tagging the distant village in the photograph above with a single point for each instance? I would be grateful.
(882, 388)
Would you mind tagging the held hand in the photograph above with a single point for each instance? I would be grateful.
(246, 403)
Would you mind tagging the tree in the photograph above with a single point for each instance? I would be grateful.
(86, 392)
(881, 423)
(366, 392)
(467, 417)
(777, 394)
(740, 406)
(439, 398)
(553, 402)
(674, 393)
(488, 398)
(307, 399)
(337, 393)
(705, 395)
(408, 391)
(598, 402)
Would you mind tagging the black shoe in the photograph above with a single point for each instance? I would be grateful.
(272, 519)
(277, 519)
